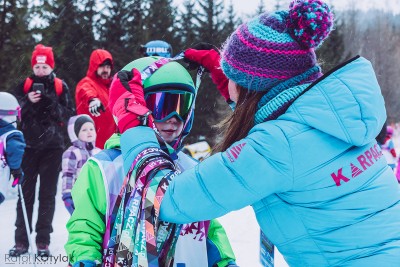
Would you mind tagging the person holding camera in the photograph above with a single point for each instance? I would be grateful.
(46, 105)
(91, 95)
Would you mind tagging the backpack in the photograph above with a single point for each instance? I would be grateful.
(4, 168)
(58, 85)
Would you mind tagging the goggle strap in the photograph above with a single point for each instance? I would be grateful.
(200, 72)
(11, 112)
(153, 67)
(171, 150)
(4, 112)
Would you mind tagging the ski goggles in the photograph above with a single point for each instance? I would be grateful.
(165, 105)
(13, 112)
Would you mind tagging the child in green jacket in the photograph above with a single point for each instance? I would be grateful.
(200, 244)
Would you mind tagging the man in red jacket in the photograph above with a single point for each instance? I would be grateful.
(92, 95)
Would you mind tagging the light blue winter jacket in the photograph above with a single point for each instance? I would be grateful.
(315, 177)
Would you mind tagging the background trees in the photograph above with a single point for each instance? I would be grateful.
(74, 28)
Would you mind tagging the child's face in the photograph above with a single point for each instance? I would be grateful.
(87, 132)
(170, 129)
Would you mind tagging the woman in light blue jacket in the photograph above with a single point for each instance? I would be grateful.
(299, 147)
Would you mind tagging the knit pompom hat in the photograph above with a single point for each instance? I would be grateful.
(277, 49)
(44, 55)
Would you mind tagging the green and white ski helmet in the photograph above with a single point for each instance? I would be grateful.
(170, 76)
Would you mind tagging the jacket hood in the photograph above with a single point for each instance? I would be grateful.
(97, 57)
(72, 135)
(346, 103)
(113, 142)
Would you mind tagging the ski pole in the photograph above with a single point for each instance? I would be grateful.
(28, 232)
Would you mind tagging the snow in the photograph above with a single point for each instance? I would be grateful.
(241, 227)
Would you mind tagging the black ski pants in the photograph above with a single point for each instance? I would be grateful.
(47, 164)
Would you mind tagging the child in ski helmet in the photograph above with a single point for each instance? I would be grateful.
(169, 94)
(82, 133)
(12, 143)
(299, 147)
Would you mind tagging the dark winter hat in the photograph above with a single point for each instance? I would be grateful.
(106, 62)
(43, 55)
(81, 121)
(278, 48)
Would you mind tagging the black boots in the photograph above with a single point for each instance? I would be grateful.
(43, 250)
(18, 250)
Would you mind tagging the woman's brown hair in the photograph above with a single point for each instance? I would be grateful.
(238, 124)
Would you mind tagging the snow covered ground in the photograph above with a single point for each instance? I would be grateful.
(241, 227)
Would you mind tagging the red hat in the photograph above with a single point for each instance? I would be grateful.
(43, 54)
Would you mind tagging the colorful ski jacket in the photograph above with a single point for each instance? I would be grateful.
(74, 157)
(315, 176)
(15, 145)
(12, 147)
(93, 198)
(92, 86)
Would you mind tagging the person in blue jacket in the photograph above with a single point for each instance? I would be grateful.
(299, 146)
(12, 143)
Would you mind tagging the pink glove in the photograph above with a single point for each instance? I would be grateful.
(206, 55)
(126, 100)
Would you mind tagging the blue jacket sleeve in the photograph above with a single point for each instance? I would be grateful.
(15, 150)
(250, 170)
(133, 141)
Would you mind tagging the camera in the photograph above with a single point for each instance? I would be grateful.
(38, 88)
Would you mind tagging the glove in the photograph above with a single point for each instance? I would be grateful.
(18, 176)
(95, 106)
(69, 203)
(126, 100)
(85, 263)
(207, 55)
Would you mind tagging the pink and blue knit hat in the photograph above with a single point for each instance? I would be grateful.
(276, 51)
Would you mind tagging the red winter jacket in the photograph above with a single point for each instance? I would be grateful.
(92, 86)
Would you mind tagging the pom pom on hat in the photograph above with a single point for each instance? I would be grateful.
(43, 55)
(310, 22)
(276, 50)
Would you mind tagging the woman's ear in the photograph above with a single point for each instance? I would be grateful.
(233, 91)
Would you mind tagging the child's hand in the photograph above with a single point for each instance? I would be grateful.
(69, 203)
(85, 263)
